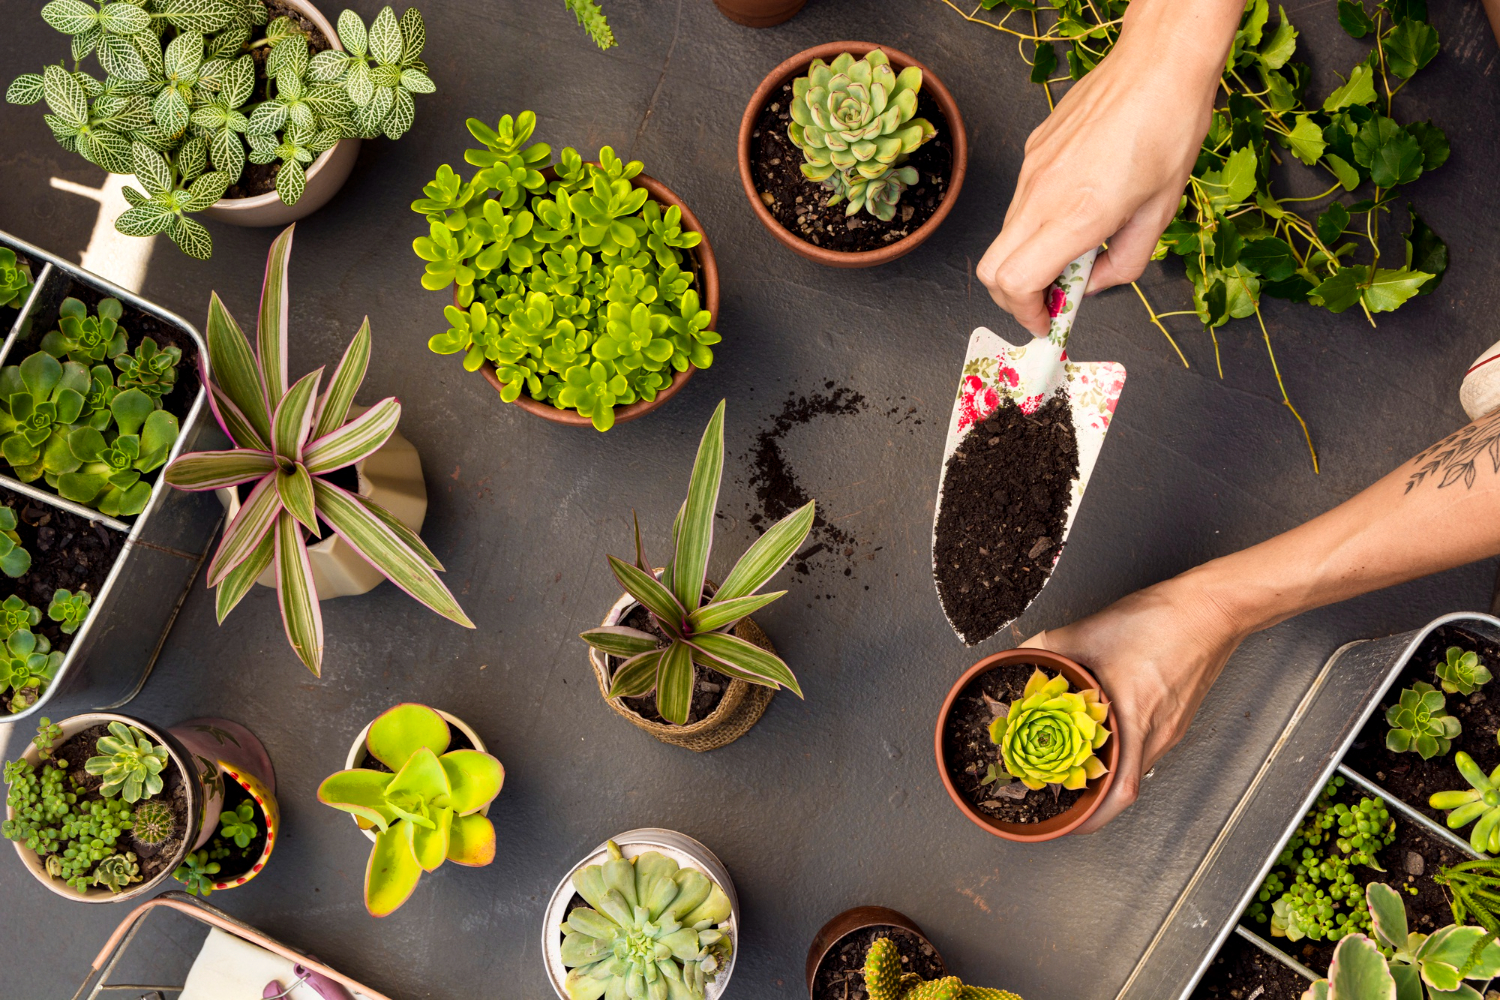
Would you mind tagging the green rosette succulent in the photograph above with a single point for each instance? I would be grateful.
(14, 560)
(84, 338)
(128, 762)
(117, 871)
(151, 369)
(28, 663)
(67, 608)
(1461, 672)
(887, 979)
(15, 279)
(1419, 722)
(651, 929)
(1049, 735)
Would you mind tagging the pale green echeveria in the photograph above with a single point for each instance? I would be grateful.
(856, 115)
(428, 808)
(1419, 721)
(128, 763)
(652, 930)
(1462, 672)
(879, 196)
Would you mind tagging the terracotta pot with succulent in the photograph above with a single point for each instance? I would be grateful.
(853, 161)
(182, 98)
(292, 444)
(428, 802)
(650, 913)
(1018, 748)
(585, 293)
(836, 957)
(673, 621)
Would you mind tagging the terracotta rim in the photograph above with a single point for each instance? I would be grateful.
(759, 13)
(1063, 823)
(857, 919)
(708, 290)
(795, 66)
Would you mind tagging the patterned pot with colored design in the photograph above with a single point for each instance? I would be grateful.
(243, 774)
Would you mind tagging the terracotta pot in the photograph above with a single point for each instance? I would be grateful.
(392, 477)
(1063, 823)
(931, 85)
(708, 291)
(325, 175)
(759, 13)
(239, 756)
(857, 919)
(357, 754)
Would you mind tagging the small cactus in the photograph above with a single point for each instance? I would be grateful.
(153, 822)
(885, 980)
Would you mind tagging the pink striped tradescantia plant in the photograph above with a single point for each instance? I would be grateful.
(287, 439)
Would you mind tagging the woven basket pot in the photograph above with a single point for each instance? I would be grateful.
(741, 707)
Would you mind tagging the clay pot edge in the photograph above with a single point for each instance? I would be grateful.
(854, 919)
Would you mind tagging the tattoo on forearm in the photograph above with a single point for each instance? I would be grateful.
(1460, 456)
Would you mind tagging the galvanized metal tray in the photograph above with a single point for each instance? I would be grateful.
(1309, 751)
(113, 652)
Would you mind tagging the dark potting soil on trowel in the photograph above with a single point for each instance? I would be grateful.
(1001, 516)
(841, 976)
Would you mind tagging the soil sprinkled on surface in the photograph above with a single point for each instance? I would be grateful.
(1001, 516)
(841, 976)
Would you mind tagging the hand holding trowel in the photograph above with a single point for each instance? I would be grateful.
(1026, 429)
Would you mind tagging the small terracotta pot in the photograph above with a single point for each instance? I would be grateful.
(324, 177)
(797, 66)
(357, 754)
(1063, 823)
(857, 919)
(759, 13)
(708, 291)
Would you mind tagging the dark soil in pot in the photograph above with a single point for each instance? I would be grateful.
(1005, 503)
(457, 740)
(969, 752)
(801, 205)
(840, 975)
(1242, 971)
(708, 690)
(1407, 775)
(233, 859)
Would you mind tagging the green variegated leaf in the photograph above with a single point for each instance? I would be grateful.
(231, 419)
(298, 595)
(405, 534)
(619, 640)
(150, 169)
(266, 120)
(183, 55)
(385, 38)
(655, 598)
(199, 15)
(288, 61)
(717, 614)
(136, 198)
(333, 408)
(85, 42)
(357, 84)
(636, 676)
(355, 440)
(296, 491)
(327, 66)
(153, 136)
(746, 661)
(192, 158)
(291, 181)
(170, 110)
(275, 306)
(328, 99)
(293, 417)
(231, 40)
(352, 33)
(416, 82)
(64, 133)
(236, 370)
(262, 147)
(695, 535)
(674, 683)
(238, 583)
(413, 36)
(257, 514)
(148, 47)
(143, 220)
(191, 237)
(239, 81)
(769, 553)
(205, 191)
(210, 75)
(71, 16)
(65, 96)
(213, 470)
(372, 116)
(124, 18)
(25, 89)
(121, 56)
(228, 153)
(403, 115)
(111, 151)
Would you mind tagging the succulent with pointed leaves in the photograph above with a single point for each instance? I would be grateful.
(14, 560)
(1049, 734)
(651, 929)
(287, 439)
(698, 630)
(87, 339)
(1479, 802)
(15, 279)
(238, 824)
(1419, 722)
(196, 873)
(128, 763)
(28, 663)
(151, 369)
(886, 979)
(1461, 672)
(117, 871)
(69, 609)
(592, 20)
(154, 822)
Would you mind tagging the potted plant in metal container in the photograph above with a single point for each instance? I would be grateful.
(852, 154)
(16, 279)
(295, 445)
(674, 621)
(649, 913)
(585, 293)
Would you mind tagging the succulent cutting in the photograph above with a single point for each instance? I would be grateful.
(128, 764)
(1461, 672)
(69, 609)
(886, 979)
(698, 630)
(197, 873)
(1048, 736)
(651, 929)
(15, 279)
(1479, 802)
(1419, 722)
(287, 439)
(429, 808)
(238, 824)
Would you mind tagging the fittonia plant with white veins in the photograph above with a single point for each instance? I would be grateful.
(287, 439)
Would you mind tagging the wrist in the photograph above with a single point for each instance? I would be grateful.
(1236, 595)
(1191, 36)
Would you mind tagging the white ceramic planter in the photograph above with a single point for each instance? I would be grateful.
(357, 754)
(682, 849)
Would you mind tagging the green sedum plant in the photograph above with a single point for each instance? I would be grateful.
(153, 822)
(196, 873)
(16, 614)
(886, 979)
(15, 279)
(428, 808)
(238, 824)
(1479, 802)
(14, 560)
(651, 929)
(69, 609)
(183, 95)
(1049, 735)
(287, 439)
(1461, 672)
(151, 369)
(1419, 722)
(698, 631)
(854, 120)
(578, 291)
(128, 764)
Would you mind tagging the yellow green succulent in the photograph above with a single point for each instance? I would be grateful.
(1049, 735)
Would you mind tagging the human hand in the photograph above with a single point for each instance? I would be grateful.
(1110, 163)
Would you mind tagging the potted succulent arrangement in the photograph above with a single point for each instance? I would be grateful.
(836, 959)
(585, 293)
(217, 107)
(1018, 748)
(674, 621)
(650, 913)
(852, 154)
(427, 801)
(294, 447)
(249, 817)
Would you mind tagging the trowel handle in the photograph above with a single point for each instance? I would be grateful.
(1064, 295)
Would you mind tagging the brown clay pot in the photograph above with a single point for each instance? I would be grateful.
(759, 13)
(701, 256)
(1064, 823)
(858, 919)
(797, 66)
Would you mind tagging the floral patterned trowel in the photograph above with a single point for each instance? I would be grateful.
(997, 372)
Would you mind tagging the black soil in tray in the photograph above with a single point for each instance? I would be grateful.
(1407, 775)
(966, 742)
(457, 740)
(801, 205)
(1006, 494)
(841, 976)
(1241, 971)
(708, 691)
(241, 859)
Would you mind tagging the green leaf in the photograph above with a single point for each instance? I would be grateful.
(1342, 289)
(401, 531)
(143, 220)
(297, 595)
(355, 440)
(232, 420)
(71, 17)
(738, 658)
(1343, 170)
(1353, 19)
(27, 88)
(121, 57)
(1387, 913)
(1359, 89)
(385, 38)
(1359, 970)
(674, 684)
(1235, 182)
(291, 181)
(296, 492)
(1045, 62)
(1305, 140)
(1269, 257)
(213, 470)
(1390, 287)
(352, 34)
(206, 190)
(636, 676)
(1332, 223)
(392, 872)
(476, 778)
(1281, 45)
(717, 614)
(244, 534)
(361, 792)
(413, 36)
(398, 733)
(238, 582)
(1434, 143)
(1391, 154)
(271, 326)
(1426, 252)
(619, 640)
(696, 534)
(768, 554)
(1409, 46)
(293, 419)
(200, 15)
(333, 409)
(191, 238)
(65, 96)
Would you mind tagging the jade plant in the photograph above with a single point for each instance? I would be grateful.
(1419, 722)
(238, 824)
(698, 627)
(1049, 735)
(1461, 672)
(579, 291)
(650, 929)
(855, 122)
(886, 979)
(15, 279)
(14, 559)
(1480, 801)
(69, 609)
(429, 808)
(287, 439)
(189, 84)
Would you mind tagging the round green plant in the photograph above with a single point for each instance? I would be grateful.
(1048, 736)
(153, 822)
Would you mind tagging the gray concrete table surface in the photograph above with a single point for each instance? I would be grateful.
(833, 801)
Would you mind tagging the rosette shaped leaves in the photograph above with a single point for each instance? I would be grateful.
(1050, 734)
(84, 338)
(1480, 801)
(1462, 672)
(39, 399)
(652, 930)
(28, 663)
(886, 979)
(856, 116)
(15, 279)
(128, 762)
(1419, 722)
(14, 560)
(428, 808)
